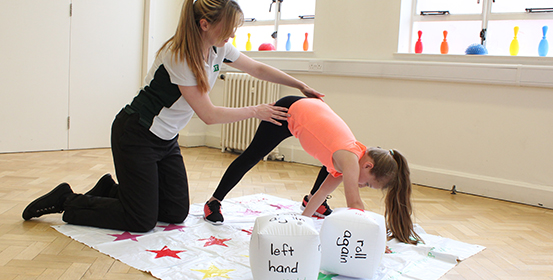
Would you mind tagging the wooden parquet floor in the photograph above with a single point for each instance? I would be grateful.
(519, 238)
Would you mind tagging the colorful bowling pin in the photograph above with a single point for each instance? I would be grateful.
(514, 44)
(249, 43)
(544, 45)
(234, 41)
(288, 43)
(444, 48)
(305, 43)
(418, 45)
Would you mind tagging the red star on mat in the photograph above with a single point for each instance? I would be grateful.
(125, 235)
(172, 227)
(166, 252)
(248, 231)
(280, 206)
(214, 241)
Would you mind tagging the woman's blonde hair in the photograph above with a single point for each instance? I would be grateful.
(391, 166)
(187, 41)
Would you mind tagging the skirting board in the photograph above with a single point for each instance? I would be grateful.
(497, 188)
(193, 140)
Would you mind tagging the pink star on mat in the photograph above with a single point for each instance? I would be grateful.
(280, 206)
(214, 241)
(125, 235)
(251, 212)
(172, 227)
(252, 201)
(166, 252)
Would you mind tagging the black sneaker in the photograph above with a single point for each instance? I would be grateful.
(103, 186)
(323, 210)
(212, 212)
(49, 203)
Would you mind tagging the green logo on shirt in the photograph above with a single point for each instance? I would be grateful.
(215, 67)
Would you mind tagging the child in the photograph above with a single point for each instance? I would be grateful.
(325, 136)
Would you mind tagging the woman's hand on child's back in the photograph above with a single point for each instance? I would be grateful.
(271, 113)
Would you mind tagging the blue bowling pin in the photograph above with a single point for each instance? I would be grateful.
(544, 45)
(288, 43)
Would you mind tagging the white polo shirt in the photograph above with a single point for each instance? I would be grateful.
(162, 108)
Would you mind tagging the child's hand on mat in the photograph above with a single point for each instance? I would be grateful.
(271, 113)
(388, 251)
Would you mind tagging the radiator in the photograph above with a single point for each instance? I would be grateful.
(242, 90)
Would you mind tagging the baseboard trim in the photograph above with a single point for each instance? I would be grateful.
(192, 140)
(298, 155)
(491, 187)
(496, 188)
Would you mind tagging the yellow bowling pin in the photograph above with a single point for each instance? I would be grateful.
(249, 43)
(514, 44)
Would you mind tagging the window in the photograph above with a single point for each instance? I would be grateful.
(488, 22)
(288, 18)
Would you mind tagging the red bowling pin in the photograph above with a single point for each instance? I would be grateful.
(418, 45)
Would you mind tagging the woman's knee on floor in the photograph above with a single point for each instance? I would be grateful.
(141, 224)
(173, 212)
(174, 217)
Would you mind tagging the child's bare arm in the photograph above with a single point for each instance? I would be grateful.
(327, 187)
(348, 163)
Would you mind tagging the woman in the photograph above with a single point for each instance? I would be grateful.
(149, 166)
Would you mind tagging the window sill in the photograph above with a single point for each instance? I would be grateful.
(487, 59)
(280, 54)
(497, 70)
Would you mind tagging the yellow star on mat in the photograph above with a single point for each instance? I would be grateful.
(213, 271)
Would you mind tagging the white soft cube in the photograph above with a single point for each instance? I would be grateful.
(284, 247)
(353, 242)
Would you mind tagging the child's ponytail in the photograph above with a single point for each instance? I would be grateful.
(392, 166)
(398, 204)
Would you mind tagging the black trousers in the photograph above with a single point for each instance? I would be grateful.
(153, 185)
(266, 138)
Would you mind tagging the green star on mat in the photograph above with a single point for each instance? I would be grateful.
(323, 276)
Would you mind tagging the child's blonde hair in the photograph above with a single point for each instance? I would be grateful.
(187, 41)
(391, 166)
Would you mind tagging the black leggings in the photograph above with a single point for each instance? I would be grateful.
(153, 185)
(266, 138)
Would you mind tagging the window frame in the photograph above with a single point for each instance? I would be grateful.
(484, 17)
(278, 21)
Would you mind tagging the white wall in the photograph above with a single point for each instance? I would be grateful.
(161, 19)
(487, 138)
(481, 123)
